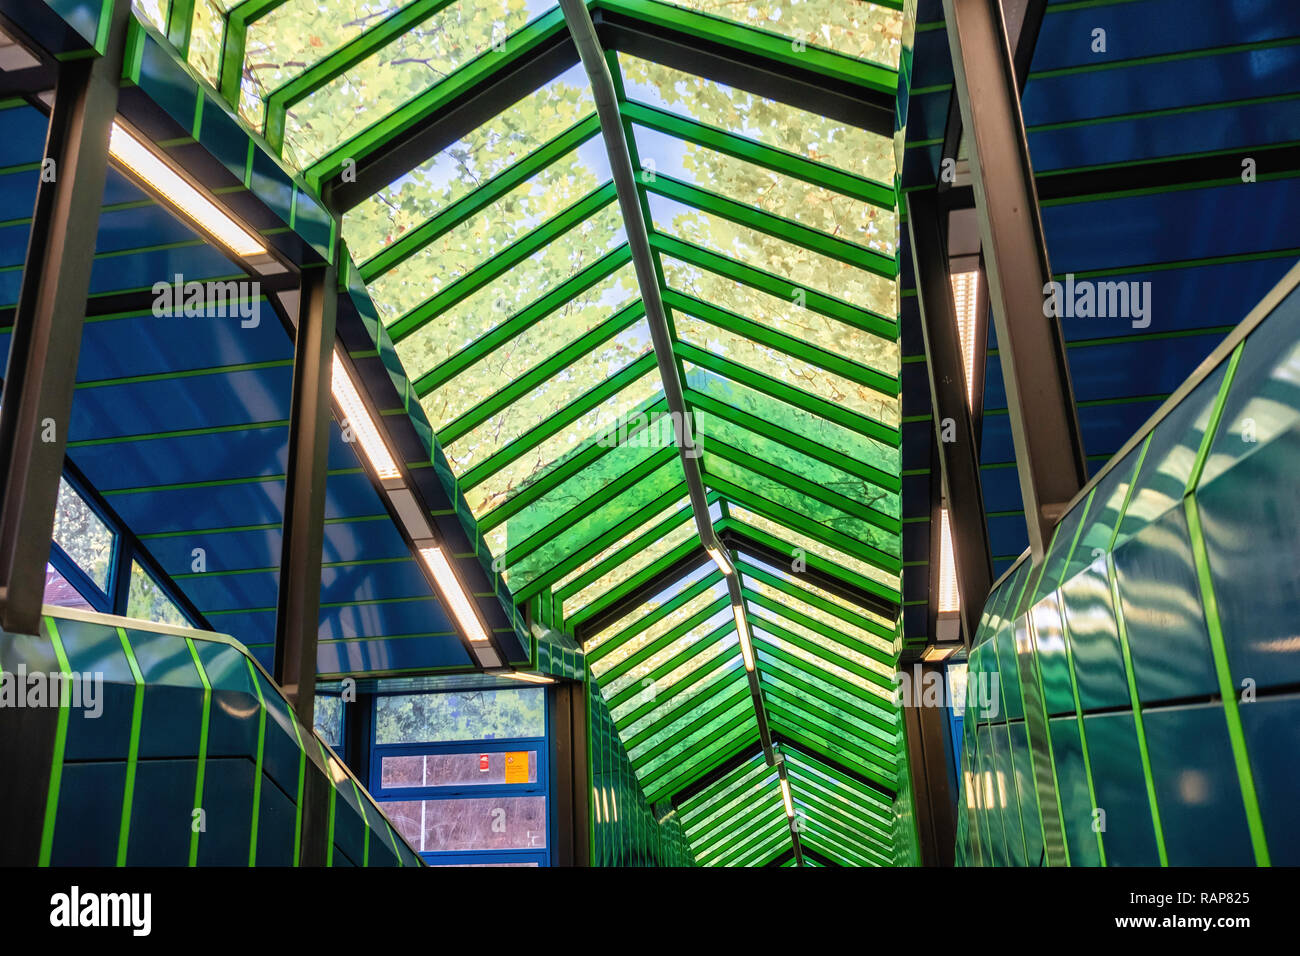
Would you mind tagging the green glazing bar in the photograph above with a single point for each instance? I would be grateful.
(1214, 624)
(233, 44)
(257, 766)
(133, 749)
(60, 744)
(1143, 751)
(329, 853)
(201, 767)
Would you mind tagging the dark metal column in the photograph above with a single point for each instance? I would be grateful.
(297, 618)
(41, 373)
(958, 459)
(928, 753)
(1044, 423)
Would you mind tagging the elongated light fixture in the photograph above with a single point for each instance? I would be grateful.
(965, 297)
(742, 628)
(720, 559)
(949, 596)
(359, 421)
(143, 163)
(453, 593)
(785, 795)
(527, 678)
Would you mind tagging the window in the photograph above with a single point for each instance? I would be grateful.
(463, 775)
(147, 602)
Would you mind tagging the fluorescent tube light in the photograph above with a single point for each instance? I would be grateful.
(142, 162)
(785, 795)
(720, 560)
(742, 628)
(949, 596)
(358, 419)
(965, 296)
(452, 592)
(529, 678)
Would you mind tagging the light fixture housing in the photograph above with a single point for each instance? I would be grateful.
(525, 677)
(359, 421)
(721, 560)
(965, 298)
(949, 593)
(131, 152)
(785, 796)
(742, 629)
(453, 593)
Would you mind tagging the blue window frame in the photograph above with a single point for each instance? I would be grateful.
(452, 801)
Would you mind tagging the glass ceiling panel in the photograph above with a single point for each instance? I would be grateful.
(832, 213)
(684, 532)
(801, 266)
(613, 632)
(207, 28)
(620, 544)
(488, 233)
(570, 494)
(664, 689)
(287, 40)
(479, 156)
(877, 454)
(420, 58)
(755, 117)
(781, 315)
(685, 717)
(477, 314)
(803, 584)
(812, 546)
(836, 624)
(870, 693)
(747, 353)
(546, 556)
(554, 394)
(701, 810)
(537, 343)
(863, 30)
(774, 453)
(810, 508)
(629, 648)
(698, 745)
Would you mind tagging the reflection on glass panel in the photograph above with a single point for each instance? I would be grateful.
(421, 57)
(686, 531)
(462, 715)
(802, 267)
(147, 602)
(554, 550)
(458, 770)
(793, 418)
(470, 162)
(206, 32)
(852, 27)
(747, 353)
(620, 544)
(644, 610)
(957, 677)
(843, 628)
(60, 593)
(83, 536)
(635, 675)
(327, 717)
(533, 346)
(786, 316)
(795, 462)
(753, 185)
(153, 11)
(486, 439)
(293, 36)
(485, 309)
(471, 823)
(649, 635)
(488, 233)
(771, 123)
(806, 586)
(810, 508)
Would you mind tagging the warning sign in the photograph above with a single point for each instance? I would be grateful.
(517, 767)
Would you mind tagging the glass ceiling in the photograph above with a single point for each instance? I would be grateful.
(501, 268)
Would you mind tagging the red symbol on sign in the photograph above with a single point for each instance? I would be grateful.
(483, 762)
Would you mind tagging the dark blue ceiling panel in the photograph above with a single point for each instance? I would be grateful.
(408, 654)
(140, 270)
(144, 345)
(387, 618)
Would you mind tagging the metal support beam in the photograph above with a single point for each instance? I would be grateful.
(958, 458)
(929, 750)
(41, 374)
(578, 18)
(1044, 423)
(297, 619)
